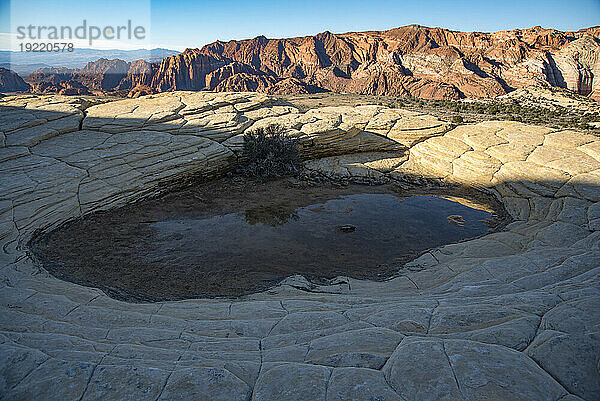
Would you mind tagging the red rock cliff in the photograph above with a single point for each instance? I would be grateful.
(408, 61)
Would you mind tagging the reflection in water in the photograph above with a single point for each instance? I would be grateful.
(272, 215)
(353, 235)
(177, 255)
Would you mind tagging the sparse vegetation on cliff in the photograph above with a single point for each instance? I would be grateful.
(549, 113)
(558, 116)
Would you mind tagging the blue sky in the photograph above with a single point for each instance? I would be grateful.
(185, 23)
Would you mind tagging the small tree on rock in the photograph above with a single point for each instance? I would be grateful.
(268, 152)
(457, 120)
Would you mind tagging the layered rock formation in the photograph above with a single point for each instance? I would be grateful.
(414, 61)
(11, 82)
(103, 74)
(575, 67)
(512, 315)
(96, 77)
(52, 80)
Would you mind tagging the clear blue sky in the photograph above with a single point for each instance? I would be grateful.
(186, 23)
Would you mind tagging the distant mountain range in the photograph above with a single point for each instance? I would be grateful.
(24, 63)
(414, 61)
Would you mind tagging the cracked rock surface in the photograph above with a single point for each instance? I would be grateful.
(513, 315)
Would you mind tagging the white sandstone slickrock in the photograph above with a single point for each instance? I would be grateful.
(512, 315)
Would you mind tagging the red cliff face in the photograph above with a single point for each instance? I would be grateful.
(99, 76)
(408, 61)
(185, 71)
(103, 74)
(56, 80)
(417, 61)
(140, 74)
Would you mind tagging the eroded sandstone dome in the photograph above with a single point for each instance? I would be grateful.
(511, 315)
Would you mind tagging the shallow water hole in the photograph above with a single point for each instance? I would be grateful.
(233, 237)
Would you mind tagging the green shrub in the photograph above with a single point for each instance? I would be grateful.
(268, 153)
(457, 120)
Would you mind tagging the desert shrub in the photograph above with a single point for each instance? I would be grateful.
(457, 120)
(268, 153)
